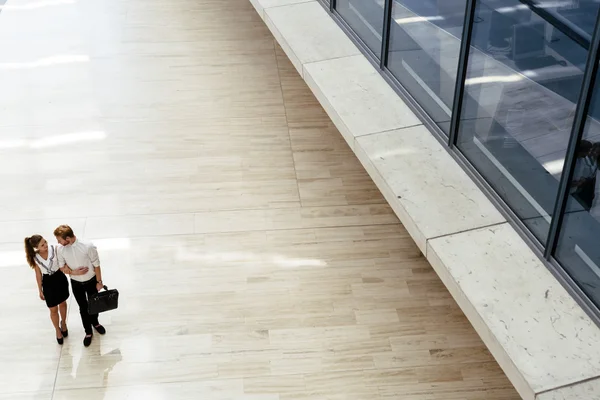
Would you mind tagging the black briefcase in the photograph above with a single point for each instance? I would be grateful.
(103, 301)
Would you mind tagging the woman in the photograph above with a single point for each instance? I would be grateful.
(51, 280)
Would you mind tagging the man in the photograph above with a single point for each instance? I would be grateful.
(74, 254)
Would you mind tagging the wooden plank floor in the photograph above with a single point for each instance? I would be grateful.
(255, 257)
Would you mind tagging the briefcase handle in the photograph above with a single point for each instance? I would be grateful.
(104, 287)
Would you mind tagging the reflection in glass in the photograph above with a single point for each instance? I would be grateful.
(520, 96)
(424, 50)
(365, 17)
(578, 248)
(578, 13)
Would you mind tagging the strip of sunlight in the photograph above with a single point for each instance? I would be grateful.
(87, 136)
(37, 4)
(411, 20)
(12, 144)
(45, 62)
(556, 4)
(552, 72)
(296, 262)
(68, 138)
(506, 10)
(554, 167)
(586, 259)
(245, 257)
(493, 78)
(11, 258)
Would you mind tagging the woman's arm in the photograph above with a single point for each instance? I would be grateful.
(38, 279)
(78, 271)
(66, 270)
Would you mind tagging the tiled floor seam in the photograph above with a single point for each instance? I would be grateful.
(242, 231)
(285, 112)
(283, 44)
(191, 212)
(465, 230)
(567, 385)
(327, 59)
(259, 230)
(385, 131)
(288, 5)
(57, 369)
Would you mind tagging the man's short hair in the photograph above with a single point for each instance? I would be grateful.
(64, 232)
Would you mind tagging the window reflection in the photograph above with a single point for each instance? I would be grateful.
(424, 50)
(523, 82)
(580, 13)
(365, 17)
(578, 249)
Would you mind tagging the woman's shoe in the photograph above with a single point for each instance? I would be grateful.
(65, 333)
(60, 341)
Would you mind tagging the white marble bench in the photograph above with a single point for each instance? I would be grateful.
(545, 343)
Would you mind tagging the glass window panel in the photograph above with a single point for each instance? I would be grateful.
(579, 13)
(578, 247)
(365, 17)
(520, 98)
(424, 50)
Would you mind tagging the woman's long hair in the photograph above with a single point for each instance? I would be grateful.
(30, 244)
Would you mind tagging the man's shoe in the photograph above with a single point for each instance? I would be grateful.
(87, 340)
(100, 329)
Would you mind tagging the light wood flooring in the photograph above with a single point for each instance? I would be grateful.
(255, 258)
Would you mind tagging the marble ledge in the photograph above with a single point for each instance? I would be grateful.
(356, 98)
(431, 194)
(307, 34)
(261, 5)
(545, 343)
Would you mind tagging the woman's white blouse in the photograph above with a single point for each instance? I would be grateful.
(49, 266)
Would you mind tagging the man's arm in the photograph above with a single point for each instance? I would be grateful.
(95, 259)
(68, 270)
(100, 285)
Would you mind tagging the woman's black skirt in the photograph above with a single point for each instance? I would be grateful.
(55, 288)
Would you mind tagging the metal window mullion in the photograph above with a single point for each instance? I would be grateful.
(581, 112)
(385, 33)
(332, 5)
(562, 24)
(461, 75)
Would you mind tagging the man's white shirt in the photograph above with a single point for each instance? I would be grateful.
(80, 254)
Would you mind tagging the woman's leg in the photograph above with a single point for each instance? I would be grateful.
(62, 309)
(54, 317)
